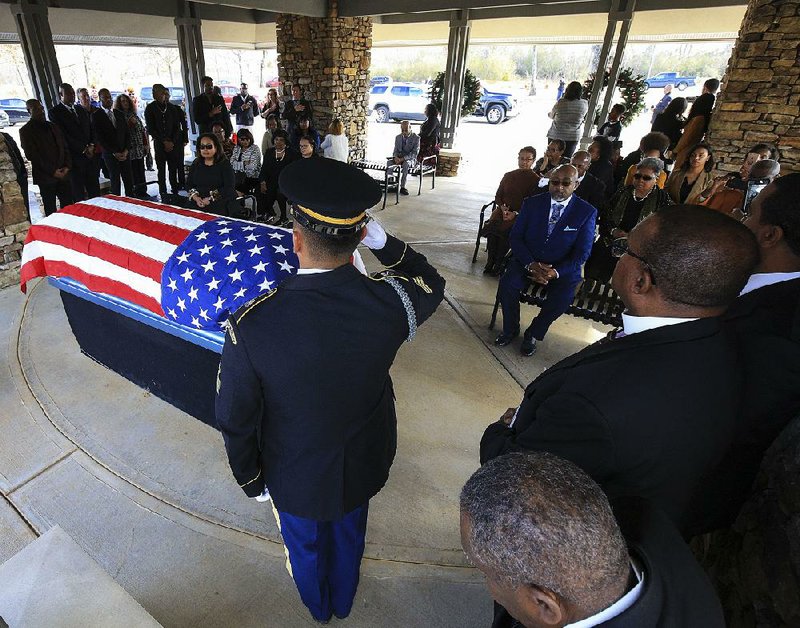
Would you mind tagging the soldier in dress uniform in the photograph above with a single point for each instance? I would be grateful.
(304, 398)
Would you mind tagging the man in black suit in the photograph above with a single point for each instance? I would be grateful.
(164, 124)
(76, 126)
(766, 321)
(295, 107)
(648, 412)
(590, 188)
(209, 107)
(554, 553)
(113, 133)
(312, 419)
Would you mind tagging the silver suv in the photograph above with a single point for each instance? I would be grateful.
(398, 101)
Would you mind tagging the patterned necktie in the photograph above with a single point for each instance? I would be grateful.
(555, 215)
(110, 113)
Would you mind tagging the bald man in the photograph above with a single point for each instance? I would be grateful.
(551, 239)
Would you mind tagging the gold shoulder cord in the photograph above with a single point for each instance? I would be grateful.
(249, 306)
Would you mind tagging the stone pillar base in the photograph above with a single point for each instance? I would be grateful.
(13, 220)
(447, 164)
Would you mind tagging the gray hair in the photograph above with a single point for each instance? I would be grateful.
(537, 519)
(653, 163)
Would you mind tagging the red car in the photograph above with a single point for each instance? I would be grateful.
(228, 93)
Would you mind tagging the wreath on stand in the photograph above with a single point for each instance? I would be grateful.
(632, 90)
(469, 99)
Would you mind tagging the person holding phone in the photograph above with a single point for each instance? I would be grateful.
(726, 194)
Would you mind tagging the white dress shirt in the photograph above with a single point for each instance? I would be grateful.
(634, 324)
(759, 280)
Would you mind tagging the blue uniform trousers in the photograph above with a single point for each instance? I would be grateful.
(560, 293)
(325, 557)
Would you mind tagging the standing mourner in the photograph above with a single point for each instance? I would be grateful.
(113, 133)
(163, 121)
(244, 107)
(46, 149)
(312, 421)
(209, 107)
(18, 164)
(138, 149)
(661, 106)
(273, 106)
(567, 115)
(294, 108)
(75, 123)
(429, 133)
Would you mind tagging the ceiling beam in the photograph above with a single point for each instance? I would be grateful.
(355, 8)
(310, 8)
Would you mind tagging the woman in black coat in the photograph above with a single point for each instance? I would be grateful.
(600, 150)
(670, 122)
(211, 182)
(275, 160)
(429, 133)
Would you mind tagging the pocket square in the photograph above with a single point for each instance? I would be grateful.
(570, 228)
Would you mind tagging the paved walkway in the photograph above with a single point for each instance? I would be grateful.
(145, 489)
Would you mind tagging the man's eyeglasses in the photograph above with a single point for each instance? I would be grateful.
(620, 247)
(645, 177)
(206, 146)
(561, 183)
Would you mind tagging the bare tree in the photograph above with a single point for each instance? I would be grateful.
(165, 57)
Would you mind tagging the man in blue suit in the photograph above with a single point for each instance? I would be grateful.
(551, 239)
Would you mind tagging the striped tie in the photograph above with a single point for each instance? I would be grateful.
(555, 215)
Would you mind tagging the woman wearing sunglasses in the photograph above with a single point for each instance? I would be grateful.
(211, 181)
(627, 208)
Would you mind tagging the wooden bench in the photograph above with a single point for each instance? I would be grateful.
(389, 179)
(425, 166)
(593, 301)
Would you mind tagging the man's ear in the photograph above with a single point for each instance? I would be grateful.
(769, 236)
(542, 604)
(297, 241)
(363, 233)
(642, 281)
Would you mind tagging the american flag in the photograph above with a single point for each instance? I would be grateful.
(192, 267)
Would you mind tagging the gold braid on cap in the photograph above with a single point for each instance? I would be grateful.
(347, 222)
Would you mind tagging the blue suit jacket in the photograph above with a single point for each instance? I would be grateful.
(569, 245)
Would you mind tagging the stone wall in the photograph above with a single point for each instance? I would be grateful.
(760, 99)
(329, 58)
(13, 220)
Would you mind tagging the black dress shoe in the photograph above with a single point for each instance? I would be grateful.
(528, 347)
(505, 339)
(403, 191)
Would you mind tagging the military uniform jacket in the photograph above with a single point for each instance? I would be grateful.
(305, 402)
(645, 415)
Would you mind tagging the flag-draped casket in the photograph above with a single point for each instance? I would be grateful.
(147, 288)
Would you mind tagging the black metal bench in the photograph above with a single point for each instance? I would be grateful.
(390, 178)
(427, 165)
(593, 301)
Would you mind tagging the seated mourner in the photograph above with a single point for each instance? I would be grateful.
(555, 553)
(211, 182)
(514, 187)
(406, 147)
(612, 408)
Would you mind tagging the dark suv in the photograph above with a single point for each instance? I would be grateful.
(496, 106)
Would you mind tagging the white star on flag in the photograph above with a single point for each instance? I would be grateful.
(275, 236)
(286, 266)
(232, 257)
(240, 293)
(182, 305)
(265, 285)
(188, 274)
(236, 275)
(202, 235)
(172, 284)
(204, 315)
(172, 313)
(193, 294)
(213, 284)
(205, 250)
(219, 303)
(261, 267)
(209, 266)
(225, 230)
(226, 242)
(196, 321)
(183, 257)
(249, 228)
(251, 238)
(281, 249)
(256, 250)
(223, 222)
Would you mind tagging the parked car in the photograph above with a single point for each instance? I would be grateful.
(663, 78)
(16, 110)
(4, 122)
(398, 101)
(496, 106)
(228, 93)
(176, 96)
(379, 80)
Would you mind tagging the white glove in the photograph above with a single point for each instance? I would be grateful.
(376, 236)
(264, 497)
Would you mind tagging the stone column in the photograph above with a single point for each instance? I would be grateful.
(329, 58)
(13, 220)
(760, 96)
(36, 40)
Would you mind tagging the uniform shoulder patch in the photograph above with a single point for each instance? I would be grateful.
(247, 307)
(421, 283)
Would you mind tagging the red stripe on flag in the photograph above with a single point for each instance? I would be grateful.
(136, 224)
(189, 213)
(117, 255)
(39, 267)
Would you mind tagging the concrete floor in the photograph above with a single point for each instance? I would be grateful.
(146, 492)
